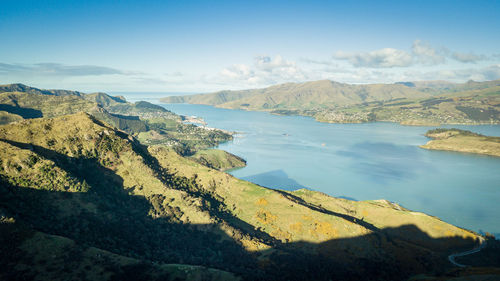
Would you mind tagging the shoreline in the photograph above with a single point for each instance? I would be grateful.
(402, 123)
(318, 190)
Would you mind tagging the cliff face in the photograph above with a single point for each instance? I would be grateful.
(84, 181)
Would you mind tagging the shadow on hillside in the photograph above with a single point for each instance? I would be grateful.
(320, 209)
(24, 112)
(347, 198)
(108, 217)
(119, 222)
(276, 178)
(389, 254)
(215, 207)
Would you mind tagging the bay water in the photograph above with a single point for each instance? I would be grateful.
(362, 162)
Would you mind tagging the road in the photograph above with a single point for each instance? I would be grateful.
(451, 258)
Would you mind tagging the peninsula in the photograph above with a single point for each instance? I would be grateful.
(462, 141)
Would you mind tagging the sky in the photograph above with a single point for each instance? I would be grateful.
(204, 46)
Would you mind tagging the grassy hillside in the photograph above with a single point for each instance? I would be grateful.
(83, 180)
(33, 255)
(33, 105)
(409, 103)
(218, 159)
(469, 107)
(31, 90)
(152, 124)
(118, 105)
(462, 141)
(308, 95)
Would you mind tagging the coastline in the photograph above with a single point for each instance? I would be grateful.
(408, 122)
(462, 141)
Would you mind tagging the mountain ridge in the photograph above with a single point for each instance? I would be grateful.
(150, 123)
(408, 103)
(322, 91)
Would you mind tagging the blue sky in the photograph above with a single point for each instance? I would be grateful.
(201, 46)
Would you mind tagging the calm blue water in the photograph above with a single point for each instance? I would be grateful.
(362, 162)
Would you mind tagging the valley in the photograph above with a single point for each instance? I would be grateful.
(124, 208)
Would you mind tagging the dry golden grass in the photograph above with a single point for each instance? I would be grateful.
(460, 141)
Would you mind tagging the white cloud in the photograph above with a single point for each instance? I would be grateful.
(491, 72)
(266, 63)
(426, 54)
(319, 62)
(467, 57)
(388, 65)
(422, 53)
(87, 78)
(383, 58)
(265, 71)
(238, 71)
(56, 69)
(278, 68)
(380, 66)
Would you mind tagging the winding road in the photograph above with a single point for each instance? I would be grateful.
(451, 258)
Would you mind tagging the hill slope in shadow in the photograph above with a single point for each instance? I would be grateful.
(78, 183)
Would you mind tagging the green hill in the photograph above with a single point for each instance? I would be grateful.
(119, 105)
(409, 103)
(462, 141)
(218, 159)
(31, 90)
(78, 178)
(28, 254)
(104, 99)
(150, 123)
(308, 95)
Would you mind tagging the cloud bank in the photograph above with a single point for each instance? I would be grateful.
(468, 57)
(382, 66)
(421, 61)
(387, 57)
(56, 69)
(265, 70)
(422, 53)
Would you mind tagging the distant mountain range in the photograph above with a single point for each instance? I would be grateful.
(323, 93)
(423, 102)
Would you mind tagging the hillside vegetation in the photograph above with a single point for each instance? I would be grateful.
(151, 124)
(132, 209)
(218, 159)
(308, 95)
(462, 141)
(409, 103)
(34, 255)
